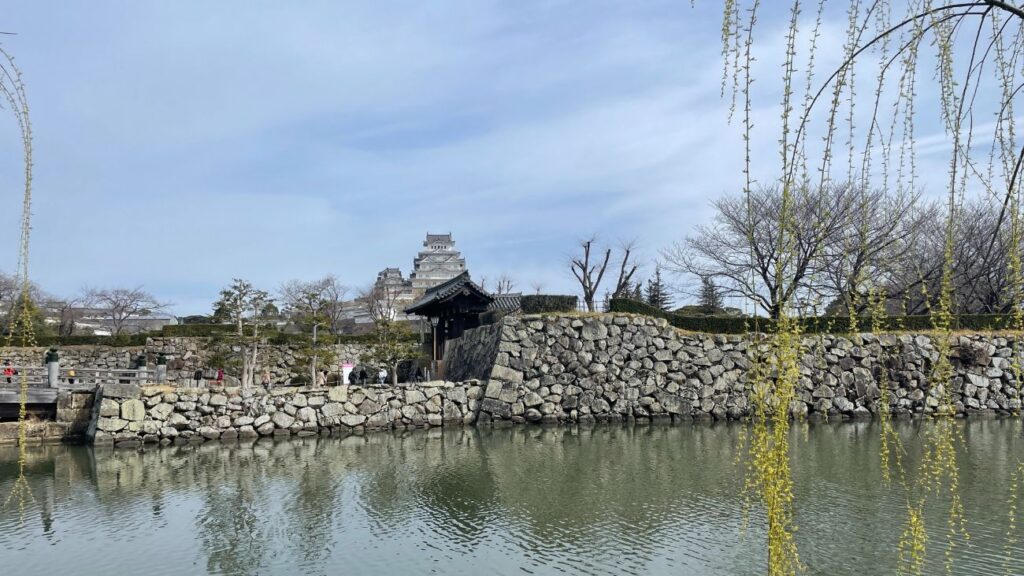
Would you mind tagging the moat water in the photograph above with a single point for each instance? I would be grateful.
(658, 499)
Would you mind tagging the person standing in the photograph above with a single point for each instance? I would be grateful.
(382, 375)
(9, 371)
(265, 378)
(220, 377)
(321, 378)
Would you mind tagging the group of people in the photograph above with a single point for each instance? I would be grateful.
(362, 377)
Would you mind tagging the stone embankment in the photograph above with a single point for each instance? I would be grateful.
(131, 415)
(184, 355)
(624, 366)
(579, 369)
(550, 369)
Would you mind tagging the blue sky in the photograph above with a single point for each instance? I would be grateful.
(181, 144)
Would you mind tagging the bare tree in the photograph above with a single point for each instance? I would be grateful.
(505, 284)
(590, 267)
(119, 305)
(627, 268)
(882, 228)
(743, 250)
(391, 344)
(67, 312)
(536, 287)
(333, 293)
(310, 304)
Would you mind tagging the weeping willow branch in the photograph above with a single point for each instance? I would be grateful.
(12, 88)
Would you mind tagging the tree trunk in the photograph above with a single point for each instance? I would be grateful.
(394, 375)
(312, 365)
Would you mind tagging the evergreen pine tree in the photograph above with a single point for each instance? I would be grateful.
(638, 292)
(710, 299)
(657, 294)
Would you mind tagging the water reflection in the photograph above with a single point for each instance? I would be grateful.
(636, 500)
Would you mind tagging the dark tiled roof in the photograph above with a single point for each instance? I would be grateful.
(505, 303)
(447, 289)
(439, 237)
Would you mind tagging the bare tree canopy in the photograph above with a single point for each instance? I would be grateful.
(391, 344)
(119, 305)
(841, 240)
(505, 284)
(590, 267)
(312, 305)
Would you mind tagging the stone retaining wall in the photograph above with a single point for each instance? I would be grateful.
(131, 415)
(621, 366)
(73, 413)
(578, 369)
(185, 356)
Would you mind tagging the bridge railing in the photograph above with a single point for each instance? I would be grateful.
(37, 376)
(40, 377)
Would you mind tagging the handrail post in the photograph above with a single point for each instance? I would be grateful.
(52, 368)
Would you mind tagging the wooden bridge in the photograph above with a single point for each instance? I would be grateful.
(43, 387)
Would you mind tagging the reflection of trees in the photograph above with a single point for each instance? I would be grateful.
(571, 492)
(455, 485)
(312, 506)
(613, 484)
(232, 525)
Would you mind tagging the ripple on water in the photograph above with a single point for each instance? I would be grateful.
(658, 500)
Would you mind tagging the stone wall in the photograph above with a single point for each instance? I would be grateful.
(70, 423)
(624, 366)
(579, 369)
(185, 356)
(78, 356)
(128, 415)
(472, 356)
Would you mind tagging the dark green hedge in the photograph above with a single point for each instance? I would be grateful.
(834, 324)
(547, 303)
(177, 330)
(125, 340)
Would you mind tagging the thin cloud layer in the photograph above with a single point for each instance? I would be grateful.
(182, 144)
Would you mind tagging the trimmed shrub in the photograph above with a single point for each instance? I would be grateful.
(547, 303)
(179, 330)
(812, 325)
(89, 340)
(491, 317)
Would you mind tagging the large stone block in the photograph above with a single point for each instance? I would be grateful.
(338, 394)
(282, 420)
(332, 410)
(130, 391)
(133, 410)
(496, 408)
(353, 420)
(109, 408)
(111, 424)
(507, 374)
